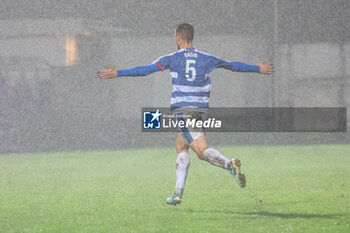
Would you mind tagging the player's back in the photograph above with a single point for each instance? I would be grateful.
(190, 69)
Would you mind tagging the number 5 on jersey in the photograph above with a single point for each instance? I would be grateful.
(190, 68)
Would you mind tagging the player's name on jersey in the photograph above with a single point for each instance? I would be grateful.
(190, 54)
(193, 123)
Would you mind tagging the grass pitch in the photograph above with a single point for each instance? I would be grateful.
(289, 189)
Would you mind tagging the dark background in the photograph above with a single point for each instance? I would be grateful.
(51, 99)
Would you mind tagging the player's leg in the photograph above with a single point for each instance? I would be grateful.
(213, 156)
(196, 139)
(182, 165)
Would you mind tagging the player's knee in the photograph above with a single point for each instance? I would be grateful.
(199, 149)
(200, 156)
(178, 151)
(181, 148)
(200, 152)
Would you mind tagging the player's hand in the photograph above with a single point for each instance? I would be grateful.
(109, 73)
(265, 68)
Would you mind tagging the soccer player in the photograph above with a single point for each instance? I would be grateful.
(190, 69)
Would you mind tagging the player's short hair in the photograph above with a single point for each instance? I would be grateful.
(186, 31)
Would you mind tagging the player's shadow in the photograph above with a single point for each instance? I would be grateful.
(270, 214)
(287, 215)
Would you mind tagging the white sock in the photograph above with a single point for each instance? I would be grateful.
(214, 157)
(182, 165)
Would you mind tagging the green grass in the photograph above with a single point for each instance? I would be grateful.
(289, 189)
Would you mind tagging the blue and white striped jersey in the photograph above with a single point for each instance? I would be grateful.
(190, 70)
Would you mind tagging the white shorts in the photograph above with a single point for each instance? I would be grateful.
(190, 133)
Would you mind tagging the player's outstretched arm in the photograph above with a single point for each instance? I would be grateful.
(136, 71)
(262, 68)
(265, 68)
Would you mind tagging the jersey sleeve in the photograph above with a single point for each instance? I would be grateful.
(163, 62)
(235, 66)
(219, 63)
(138, 71)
